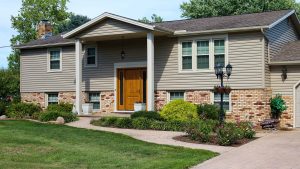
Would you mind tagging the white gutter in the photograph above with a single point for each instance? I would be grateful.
(43, 45)
(285, 63)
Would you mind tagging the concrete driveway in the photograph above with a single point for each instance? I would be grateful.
(277, 150)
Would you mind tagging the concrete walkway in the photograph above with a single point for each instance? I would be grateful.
(152, 136)
(277, 150)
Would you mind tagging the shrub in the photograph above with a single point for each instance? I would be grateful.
(123, 123)
(228, 134)
(141, 123)
(247, 129)
(36, 115)
(201, 130)
(147, 114)
(179, 110)
(208, 111)
(61, 107)
(52, 116)
(277, 105)
(105, 121)
(3, 106)
(22, 110)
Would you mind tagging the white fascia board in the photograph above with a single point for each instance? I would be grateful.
(220, 30)
(104, 16)
(281, 19)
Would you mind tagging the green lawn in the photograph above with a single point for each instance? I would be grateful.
(25, 144)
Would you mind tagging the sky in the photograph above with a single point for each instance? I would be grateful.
(135, 9)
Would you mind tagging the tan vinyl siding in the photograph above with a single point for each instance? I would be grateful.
(34, 75)
(284, 87)
(245, 55)
(281, 34)
(111, 27)
(101, 77)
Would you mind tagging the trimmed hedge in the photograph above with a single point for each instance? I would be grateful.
(147, 114)
(61, 107)
(140, 123)
(52, 116)
(179, 110)
(22, 110)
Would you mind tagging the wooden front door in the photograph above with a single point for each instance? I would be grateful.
(131, 88)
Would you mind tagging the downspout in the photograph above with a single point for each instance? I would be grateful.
(268, 46)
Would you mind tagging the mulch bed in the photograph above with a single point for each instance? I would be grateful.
(186, 138)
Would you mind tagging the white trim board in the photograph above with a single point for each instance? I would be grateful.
(142, 64)
(294, 100)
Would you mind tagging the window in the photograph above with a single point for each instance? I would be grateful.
(203, 54)
(219, 52)
(226, 102)
(176, 95)
(52, 98)
(91, 56)
(95, 99)
(187, 55)
(54, 59)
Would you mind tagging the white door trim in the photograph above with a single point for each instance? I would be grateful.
(142, 64)
(294, 100)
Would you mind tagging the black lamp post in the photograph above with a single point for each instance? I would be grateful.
(220, 75)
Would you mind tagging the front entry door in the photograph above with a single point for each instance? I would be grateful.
(131, 88)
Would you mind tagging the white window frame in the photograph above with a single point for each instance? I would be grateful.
(194, 41)
(48, 60)
(86, 56)
(169, 94)
(47, 99)
(95, 110)
(212, 100)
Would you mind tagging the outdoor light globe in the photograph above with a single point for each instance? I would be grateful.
(228, 69)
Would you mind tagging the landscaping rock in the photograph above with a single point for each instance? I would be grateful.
(60, 120)
(269, 123)
(3, 117)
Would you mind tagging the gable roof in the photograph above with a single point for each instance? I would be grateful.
(245, 22)
(235, 22)
(289, 54)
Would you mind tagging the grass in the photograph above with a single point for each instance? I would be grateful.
(30, 145)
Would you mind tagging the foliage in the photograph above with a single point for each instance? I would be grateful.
(228, 134)
(277, 105)
(22, 110)
(154, 18)
(9, 82)
(208, 8)
(36, 115)
(52, 116)
(42, 144)
(72, 22)
(202, 130)
(247, 129)
(3, 106)
(141, 123)
(179, 110)
(64, 107)
(123, 123)
(147, 114)
(208, 111)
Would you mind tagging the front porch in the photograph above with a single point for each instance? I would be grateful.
(127, 71)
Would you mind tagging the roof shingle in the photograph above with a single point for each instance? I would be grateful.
(288, 53)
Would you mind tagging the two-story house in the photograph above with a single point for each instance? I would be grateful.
(114, 61)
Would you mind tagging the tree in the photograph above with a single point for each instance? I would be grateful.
(208, 8)
(72, 22)
(9, 82)
(154, 18)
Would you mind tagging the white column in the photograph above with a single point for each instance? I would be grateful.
(78, 55)
(150, 71)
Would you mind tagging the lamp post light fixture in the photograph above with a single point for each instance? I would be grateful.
(220, 75)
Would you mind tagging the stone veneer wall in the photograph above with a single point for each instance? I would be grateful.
(107, 101)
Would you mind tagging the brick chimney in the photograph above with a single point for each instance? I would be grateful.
(44, 29)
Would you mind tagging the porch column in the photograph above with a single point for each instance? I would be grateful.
(150, 71)
(78, 55)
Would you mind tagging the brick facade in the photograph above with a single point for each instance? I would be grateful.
(252, 104)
